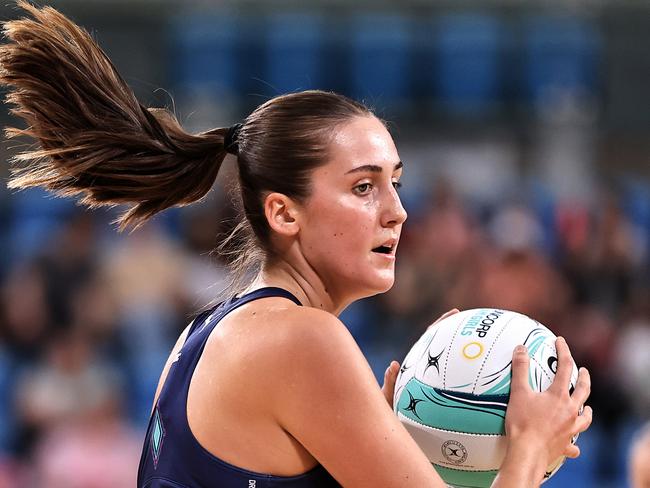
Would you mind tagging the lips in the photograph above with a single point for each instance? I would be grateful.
(388, 247)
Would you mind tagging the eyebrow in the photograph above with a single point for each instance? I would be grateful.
(373, 168)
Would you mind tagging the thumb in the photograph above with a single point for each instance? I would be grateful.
(520, 363)
(390, 376)
(444, 316)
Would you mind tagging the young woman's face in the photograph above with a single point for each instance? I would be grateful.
(353, 216)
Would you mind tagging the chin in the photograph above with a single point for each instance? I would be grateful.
(381, 285)
(367, 290)
(374, 283)
(387, 286)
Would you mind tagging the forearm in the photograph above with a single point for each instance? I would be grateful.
(522, 467)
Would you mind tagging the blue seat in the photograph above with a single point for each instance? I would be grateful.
(636, 202)
(561, 54)
(38, 203)
(380, 59)
(467, 62)
(205, 51)
(34, 216)
(7, 418)
(293, 52)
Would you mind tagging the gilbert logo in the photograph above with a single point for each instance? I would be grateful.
(454, 452)
(252, 483)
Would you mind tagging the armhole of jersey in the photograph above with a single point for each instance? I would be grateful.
(199, 320)
(191, 328)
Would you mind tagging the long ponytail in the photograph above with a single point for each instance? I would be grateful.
(95, 141)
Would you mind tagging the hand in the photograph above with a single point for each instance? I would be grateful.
(444, 316)
(390, 376)
(544, 423)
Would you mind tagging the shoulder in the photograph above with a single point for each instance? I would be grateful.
(280, 349)
(311, 335)
(287, 342)
(308, 354)
(276, 333)
(307, 322)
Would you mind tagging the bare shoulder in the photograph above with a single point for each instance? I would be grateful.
(310, 337)
(296, 345)
(284, 345)
(309, 327)
(276, 332)
(280, 348)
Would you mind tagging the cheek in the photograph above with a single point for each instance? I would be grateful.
(353, 224)
(342, 230)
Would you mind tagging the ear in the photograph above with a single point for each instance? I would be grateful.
(281, 212)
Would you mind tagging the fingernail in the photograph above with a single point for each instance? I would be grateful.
(520, 349)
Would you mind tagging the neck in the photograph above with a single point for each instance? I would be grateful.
(303, 282)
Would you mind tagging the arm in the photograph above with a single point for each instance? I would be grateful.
(327, 398)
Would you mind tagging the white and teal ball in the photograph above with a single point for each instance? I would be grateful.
(453, 388)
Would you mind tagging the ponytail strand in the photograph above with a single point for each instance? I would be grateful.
(94, 140)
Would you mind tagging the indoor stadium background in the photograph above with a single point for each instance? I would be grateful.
(524, 127)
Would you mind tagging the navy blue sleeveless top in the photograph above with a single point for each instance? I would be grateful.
(171, 456)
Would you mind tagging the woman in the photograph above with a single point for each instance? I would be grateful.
(278, 394)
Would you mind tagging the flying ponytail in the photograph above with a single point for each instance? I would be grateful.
(95, 141)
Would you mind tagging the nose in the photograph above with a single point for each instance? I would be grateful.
(394, 212)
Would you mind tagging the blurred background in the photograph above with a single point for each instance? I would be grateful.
(524, 127)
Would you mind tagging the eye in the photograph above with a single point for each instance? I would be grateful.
(363, 188)
(397, 185)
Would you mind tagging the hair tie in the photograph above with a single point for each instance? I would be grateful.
(230, 141)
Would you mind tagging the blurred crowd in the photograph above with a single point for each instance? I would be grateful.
(88, 316)
(87, 320)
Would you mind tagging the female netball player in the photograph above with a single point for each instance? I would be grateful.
(268, 389)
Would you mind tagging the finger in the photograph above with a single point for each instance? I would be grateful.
(390, 376)
(393, 369)
(564, 366)
(520, 362)
(572, 451)
(448, 314)
(584, 421)
(444, 316)
(583, 387)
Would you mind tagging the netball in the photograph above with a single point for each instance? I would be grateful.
(453, 388)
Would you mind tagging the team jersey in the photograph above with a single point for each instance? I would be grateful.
(171, 456)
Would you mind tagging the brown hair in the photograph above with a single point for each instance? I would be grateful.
(97, 142)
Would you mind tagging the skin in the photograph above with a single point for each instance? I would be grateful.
(268, 353)
(639, 460)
